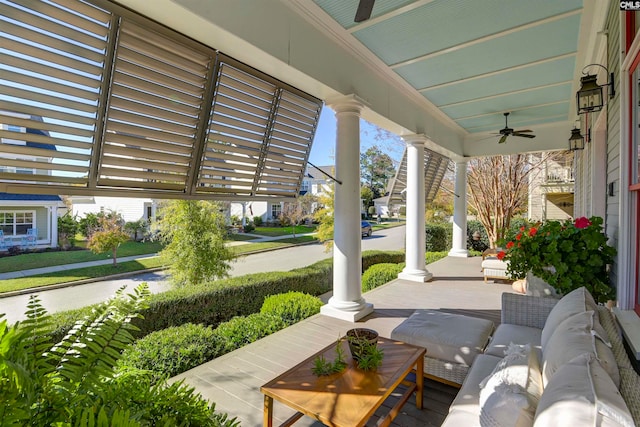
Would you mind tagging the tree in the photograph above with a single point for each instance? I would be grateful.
(498, 189)
(366, 194)
(67, 229)
(440, 209)
(324, 216)
(135, 227)
(193, 233)
(376, 168)
(109, 236)
(295, 213)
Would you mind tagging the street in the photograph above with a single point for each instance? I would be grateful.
(279, 260)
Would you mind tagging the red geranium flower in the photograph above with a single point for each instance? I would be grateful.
(522, 228)
(509, 245)
(519, 236)
(533, 231)
(501, 254)
(582, 222)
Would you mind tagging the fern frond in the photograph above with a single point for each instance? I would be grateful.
(96, 346)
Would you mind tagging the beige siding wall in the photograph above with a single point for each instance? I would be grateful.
(613, 132)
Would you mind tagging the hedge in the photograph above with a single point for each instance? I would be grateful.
(171, 351)
(438, 237)
(218, 301)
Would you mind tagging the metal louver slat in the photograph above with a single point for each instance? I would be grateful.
(62, 15)
(33, 164)
(120, 131)
(50, 72)
(39, 152)
(118, 150)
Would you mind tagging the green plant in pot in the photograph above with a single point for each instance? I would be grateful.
(363, 344)
(567, 255)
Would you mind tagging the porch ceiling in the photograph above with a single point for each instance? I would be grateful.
(446, 68)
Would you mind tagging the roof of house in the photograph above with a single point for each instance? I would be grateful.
(30, 197)
(39, 132)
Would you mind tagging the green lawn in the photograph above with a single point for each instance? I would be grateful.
(281, 243)
(77, 274)
(283, 231)
(47, 259)
(122, 267)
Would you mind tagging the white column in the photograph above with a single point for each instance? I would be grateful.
(53, 213)
(347, 302)
(415, 269)
(459, 238)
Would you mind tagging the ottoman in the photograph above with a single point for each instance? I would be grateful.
(493, 268)
(452, 342)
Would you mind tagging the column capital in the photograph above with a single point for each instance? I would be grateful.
(346, 104)
(415, 139)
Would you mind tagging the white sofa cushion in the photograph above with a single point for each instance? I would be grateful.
(581, 394)
(446, 336)
(510, 395)
(468, 397)
(506, 334)
(575, 336)
(576, 301)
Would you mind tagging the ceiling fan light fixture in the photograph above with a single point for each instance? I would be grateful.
(576, 140)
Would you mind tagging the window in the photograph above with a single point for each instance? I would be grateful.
(17, 223)
(276, 211)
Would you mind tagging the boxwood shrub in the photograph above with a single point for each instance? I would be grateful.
(174, 350)
(291, 307)
(215, 302)
(243, 330)
(379, 274)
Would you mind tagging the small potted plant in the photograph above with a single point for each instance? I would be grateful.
(363, 344)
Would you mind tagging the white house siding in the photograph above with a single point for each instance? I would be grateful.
(131, 209)
(613, 135)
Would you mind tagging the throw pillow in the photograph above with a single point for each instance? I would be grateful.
(576, 301)
(577, 335)
(581, 394)
(510, 394)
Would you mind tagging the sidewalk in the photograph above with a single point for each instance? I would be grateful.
(56, 268)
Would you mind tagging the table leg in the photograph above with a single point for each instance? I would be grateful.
(419, 382)
(267, 420)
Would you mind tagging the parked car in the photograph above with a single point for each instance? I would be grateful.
(366, 228)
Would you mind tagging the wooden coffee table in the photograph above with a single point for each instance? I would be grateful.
(348, 398)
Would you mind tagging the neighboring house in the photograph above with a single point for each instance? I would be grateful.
(131, 209)
(315, 181)
(22, 214)
(551, 190)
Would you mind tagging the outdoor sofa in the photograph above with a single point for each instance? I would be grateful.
(550, 362)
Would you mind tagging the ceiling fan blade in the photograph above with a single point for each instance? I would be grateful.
(503, 139)
(365, 7)
(524, 135)
(523, 130)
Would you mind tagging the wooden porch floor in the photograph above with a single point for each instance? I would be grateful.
(233, 381)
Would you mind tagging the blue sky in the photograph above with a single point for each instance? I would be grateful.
(324, 142)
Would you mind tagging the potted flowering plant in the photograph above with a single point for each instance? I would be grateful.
(566, 255)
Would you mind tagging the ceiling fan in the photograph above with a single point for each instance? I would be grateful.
(365, 7)
(507, 131)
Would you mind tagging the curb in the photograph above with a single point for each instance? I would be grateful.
(117, 276)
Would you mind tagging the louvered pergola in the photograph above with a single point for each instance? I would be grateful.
(136, 109)
(435, 167)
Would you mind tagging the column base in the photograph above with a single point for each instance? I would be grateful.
(421, 276)
(348, 315)
(461, 253)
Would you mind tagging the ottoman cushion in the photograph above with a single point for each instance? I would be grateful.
(446, 336)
